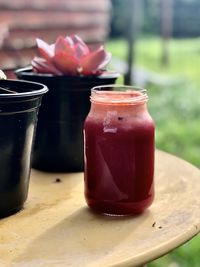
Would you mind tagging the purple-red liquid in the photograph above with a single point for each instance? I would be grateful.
(119, 161)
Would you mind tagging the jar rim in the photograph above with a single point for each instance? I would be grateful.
(118, 94)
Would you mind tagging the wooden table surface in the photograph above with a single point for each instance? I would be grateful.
(56, 229)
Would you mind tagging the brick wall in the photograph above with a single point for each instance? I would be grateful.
(46, 19)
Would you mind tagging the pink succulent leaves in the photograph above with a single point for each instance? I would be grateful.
(69, 56)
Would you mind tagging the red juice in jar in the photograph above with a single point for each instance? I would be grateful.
(119, 151)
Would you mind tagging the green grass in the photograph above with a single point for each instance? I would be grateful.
(176, 111)
(184, 55)
(177, 115)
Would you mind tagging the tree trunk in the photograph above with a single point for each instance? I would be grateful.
(166, 29)
(132, 25)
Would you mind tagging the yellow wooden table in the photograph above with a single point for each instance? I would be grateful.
(56, 229)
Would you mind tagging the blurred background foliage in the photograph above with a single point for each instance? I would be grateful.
(173, 84)
(185, 17)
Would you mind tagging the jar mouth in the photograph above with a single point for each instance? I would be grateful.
(118, 94)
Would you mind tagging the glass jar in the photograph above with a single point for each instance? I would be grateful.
(119, 151)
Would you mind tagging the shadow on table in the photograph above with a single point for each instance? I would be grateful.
(81, 239)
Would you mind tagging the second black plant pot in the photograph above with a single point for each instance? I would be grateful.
(59, 136)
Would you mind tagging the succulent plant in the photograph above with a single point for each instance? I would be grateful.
(69, 56)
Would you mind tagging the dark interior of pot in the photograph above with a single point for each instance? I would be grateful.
(6, 91)
(14, 87)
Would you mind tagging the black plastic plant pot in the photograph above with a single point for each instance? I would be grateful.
(59, 137)
(19, 104)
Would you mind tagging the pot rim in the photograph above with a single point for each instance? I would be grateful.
(30, 92)
(27, 71)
